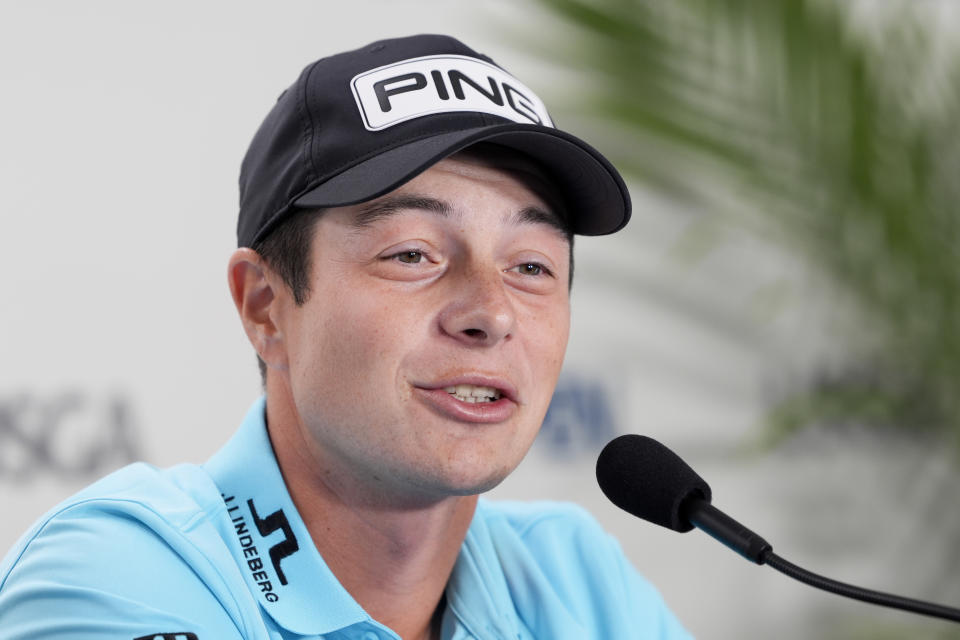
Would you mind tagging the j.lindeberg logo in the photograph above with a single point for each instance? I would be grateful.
(276, 521)
(408, 89)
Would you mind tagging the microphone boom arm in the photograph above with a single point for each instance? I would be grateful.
(859, 593)
(704, 516)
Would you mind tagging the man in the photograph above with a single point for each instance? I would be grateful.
(405, 236)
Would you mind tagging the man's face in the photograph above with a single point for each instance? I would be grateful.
(453, 282)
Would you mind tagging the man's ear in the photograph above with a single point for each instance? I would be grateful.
(254, 287)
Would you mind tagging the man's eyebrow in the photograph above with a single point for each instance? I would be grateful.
(391, 205)
(536, 215)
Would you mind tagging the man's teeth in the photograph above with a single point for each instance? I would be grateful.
(471, 393)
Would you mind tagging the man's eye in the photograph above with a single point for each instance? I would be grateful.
(410, 257)
(529, 269)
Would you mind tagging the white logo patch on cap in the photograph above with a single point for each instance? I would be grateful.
(408, 89)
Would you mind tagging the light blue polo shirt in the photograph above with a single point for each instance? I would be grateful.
(219, 552)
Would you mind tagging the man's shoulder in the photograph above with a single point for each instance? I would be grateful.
(156, 499)
(557, 557)
(138, 547)
(172, 492)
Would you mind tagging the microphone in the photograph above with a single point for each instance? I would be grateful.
(648, 480)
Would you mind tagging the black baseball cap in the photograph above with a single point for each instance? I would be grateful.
(357, 125)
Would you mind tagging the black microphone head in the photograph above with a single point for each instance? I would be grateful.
(645, 478)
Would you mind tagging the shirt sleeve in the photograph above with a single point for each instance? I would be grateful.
(91, 574)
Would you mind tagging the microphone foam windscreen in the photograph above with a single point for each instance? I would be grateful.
(645, 478)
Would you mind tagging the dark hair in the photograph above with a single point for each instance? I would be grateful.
(286, 249)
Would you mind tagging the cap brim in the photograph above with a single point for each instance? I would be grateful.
(595, 195)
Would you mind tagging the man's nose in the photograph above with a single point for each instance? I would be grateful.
(480, 311)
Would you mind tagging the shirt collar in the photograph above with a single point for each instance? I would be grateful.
(289, 578)
(269, 541)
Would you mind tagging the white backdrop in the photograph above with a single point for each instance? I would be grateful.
(122, 132)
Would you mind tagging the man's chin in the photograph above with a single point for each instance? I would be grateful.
(478, 489)
(463, 487)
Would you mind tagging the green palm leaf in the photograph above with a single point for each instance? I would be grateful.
(846, 144)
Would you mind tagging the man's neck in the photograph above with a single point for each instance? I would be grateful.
(394, 561)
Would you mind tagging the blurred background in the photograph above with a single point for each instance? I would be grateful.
(783, 310)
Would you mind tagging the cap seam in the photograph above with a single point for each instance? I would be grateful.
(309, 126)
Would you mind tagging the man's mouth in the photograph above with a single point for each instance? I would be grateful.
(471, 398)
(472, 393)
